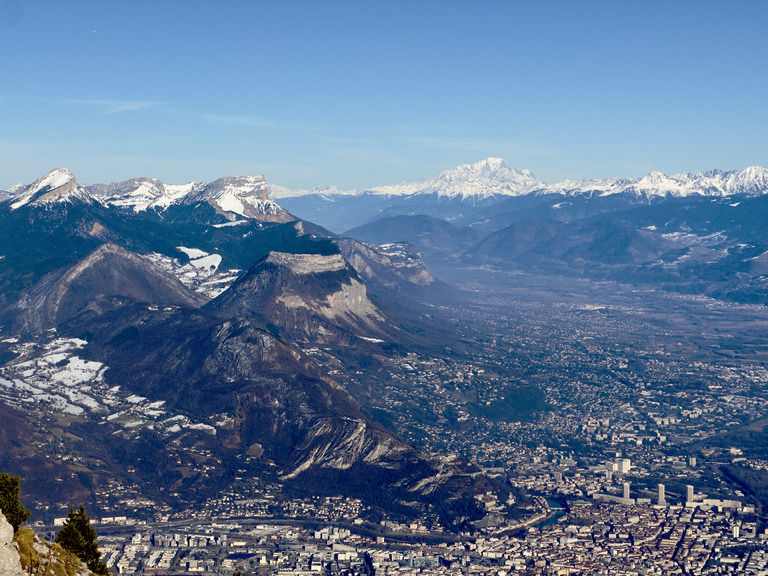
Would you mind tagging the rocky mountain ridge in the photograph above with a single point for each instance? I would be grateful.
(232, 197)
(307, 295)
(110, 271)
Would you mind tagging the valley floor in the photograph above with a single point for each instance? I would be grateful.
(589, 539)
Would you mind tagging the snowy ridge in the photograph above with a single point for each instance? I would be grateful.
(58, 186)
(241, 195)
(251, 197)
(487, 178)
(492, 178)
(140, 194)
(14, 190)
(231, 196)
(750, 181)
(484, 179)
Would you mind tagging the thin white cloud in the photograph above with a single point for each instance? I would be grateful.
(104, 106)
(237, 120)
(248, 121)
(117, 106)
(423, 128)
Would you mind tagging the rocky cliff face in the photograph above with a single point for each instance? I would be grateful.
(10, 563)
(306, 296)
(340, 444)
(389, 265)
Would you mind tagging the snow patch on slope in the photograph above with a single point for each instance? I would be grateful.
(201, 273)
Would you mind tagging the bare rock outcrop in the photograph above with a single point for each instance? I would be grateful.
(10, 563)
(310, 297)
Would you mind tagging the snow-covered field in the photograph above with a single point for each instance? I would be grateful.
(201, 273)
(52, 377)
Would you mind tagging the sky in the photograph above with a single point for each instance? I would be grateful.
(364, 93)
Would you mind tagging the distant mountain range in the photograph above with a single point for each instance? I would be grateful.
(492, 177)
(489, 179)
(460, 193)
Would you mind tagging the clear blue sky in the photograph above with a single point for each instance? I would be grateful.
(363, 93)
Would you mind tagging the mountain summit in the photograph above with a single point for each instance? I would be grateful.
(489, 177)
(242, 196)
(57, 186)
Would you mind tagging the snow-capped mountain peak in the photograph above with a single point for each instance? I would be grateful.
(237, 187)
(750, 181)
(16, 189)
(484, 179)
(489, 177)
(491, 168)
(59, 185)
(232, 196)
(241, 195)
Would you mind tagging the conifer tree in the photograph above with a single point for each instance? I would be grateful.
(14, 511)
(78, 536)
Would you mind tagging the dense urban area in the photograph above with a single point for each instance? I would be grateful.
(595, 534)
